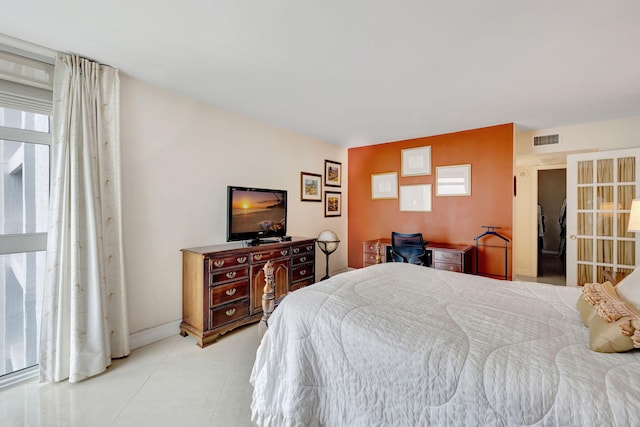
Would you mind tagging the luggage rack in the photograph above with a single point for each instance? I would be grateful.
(491, 231)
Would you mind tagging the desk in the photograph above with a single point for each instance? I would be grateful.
(441, 256)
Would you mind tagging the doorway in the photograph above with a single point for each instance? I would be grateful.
(551, 242)
(598, 213)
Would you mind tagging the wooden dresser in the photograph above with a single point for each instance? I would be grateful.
(447, 256)
(444, 256)
(222, 284)
(369, 251)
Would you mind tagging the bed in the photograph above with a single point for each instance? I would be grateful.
(403, 345)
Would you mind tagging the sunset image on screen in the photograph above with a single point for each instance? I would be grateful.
(257, 211)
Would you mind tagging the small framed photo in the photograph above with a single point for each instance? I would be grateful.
(453, 180)
(416, 161)
(415, 198)
(310, 187)
(332, 173)
(332, 203)
(384, 185)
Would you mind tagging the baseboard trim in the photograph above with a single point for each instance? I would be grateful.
(525, 272)
(156, 333)
(28, 374)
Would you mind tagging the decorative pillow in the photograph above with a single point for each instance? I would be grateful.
(589, 299)
(585, 309)
(616, 327)
(606, 337)
(629, 288)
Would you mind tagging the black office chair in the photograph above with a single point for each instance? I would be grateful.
(407, 248)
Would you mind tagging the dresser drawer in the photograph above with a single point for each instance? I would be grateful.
(302, 259)
(228, 313)
(301, 284)
(226, 293)
(301, 249)
(228, 261)
(370, 259)
(447, 266)
(272, 254)
(302, 272)
(446, 256)
(370, 247)
(225, 276)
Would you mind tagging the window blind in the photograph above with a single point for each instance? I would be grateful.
(25, 84)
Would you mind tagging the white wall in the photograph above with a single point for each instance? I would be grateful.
(597, 136)
(178, 156)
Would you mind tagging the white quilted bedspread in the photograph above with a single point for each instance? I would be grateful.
(402, 345)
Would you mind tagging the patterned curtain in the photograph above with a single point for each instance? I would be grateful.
(604, 191)
(585, 220)
(84, 318)
(626, 174)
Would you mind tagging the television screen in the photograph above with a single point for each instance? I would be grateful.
(256, 213)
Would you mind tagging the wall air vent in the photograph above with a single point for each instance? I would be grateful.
(541, 140)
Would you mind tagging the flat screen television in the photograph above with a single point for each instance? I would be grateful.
(256, 214)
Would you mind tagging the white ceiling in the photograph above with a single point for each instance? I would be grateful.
(358, 72)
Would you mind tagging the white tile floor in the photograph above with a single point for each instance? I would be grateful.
(168, 383)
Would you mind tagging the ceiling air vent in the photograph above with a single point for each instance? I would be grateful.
(541, 140)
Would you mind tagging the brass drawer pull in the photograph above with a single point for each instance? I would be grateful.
(257, 257)
(303, 272)
(231, 275)
(230, 312)
(241, 260)
(218, 263)
(296, 250)
(284, 252)
(303, 259)
(230, 292)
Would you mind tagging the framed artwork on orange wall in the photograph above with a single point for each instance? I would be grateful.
(453, 180)
(415, 198)
(416, 161)
(384, 185)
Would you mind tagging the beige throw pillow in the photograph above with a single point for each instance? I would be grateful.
(589, 299)
(613, 326)
(606, 337)
(585, 309)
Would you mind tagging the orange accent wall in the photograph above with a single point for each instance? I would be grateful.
(456, 219)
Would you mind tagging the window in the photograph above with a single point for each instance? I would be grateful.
(24, 200)
(25, 139)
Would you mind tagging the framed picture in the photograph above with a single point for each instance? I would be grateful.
(416, 161)
(310, 187)
(415, 198)
(453, 180)
(332, 173)
(332, 203)
(384, 185)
